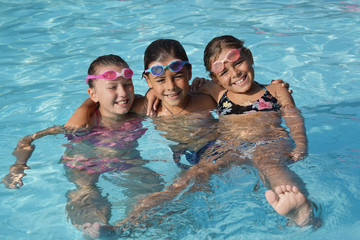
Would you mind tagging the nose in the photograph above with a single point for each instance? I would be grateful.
(235, 72)
(121, 91)
(170, 84)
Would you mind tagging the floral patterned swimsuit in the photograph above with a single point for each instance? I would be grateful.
(266, 103)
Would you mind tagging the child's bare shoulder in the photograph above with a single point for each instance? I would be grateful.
(277, 89)
(281, 93)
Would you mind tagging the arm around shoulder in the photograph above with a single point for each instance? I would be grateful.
(139, 105)
(212, 89)
(82, 116)
(282, 95)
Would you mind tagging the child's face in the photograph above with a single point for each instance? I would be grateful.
(115, 96)
(237, 76)
(170, 87)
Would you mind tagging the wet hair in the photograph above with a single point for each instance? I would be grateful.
(105, 60)
(162, 49)
(216, 45)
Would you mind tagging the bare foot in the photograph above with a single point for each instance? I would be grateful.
(96, 230)
(289, 202)
(92, 229)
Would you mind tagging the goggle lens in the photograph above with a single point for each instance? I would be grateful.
(110, 75)
(128, 73)
(157, 70)
(176, 66)
(233, 55)
(217, 67)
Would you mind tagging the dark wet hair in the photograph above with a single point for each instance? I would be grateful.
(214, 47)
(105, 60)
(162, 49)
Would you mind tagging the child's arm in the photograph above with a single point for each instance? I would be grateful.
(23, 152)
(147, 105)
(210, 88)
(295, 122)
(82, 116)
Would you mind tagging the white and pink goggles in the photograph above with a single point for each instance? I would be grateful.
(112, 75)
(231, 56)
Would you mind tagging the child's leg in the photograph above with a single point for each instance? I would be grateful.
(284, 194)
(86, 204)
(270, 159)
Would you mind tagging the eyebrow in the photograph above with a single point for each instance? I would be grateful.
(122, 80)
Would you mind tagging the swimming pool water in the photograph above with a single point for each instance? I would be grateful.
(46, 47)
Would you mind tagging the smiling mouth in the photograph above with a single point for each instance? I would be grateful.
(122, 102)
(171, 96)
(239, 82)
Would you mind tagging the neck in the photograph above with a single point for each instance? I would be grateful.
(112, 120)
(169, 110)
(245, 97)
(255, 87)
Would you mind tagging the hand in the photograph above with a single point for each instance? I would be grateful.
(14, 178)
(78, 121)
(152, 102)
(298, 154)
(197, 84)
(96, 230)
(283, 84)
(23, 151)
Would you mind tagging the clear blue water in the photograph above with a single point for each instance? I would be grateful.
(46, 47)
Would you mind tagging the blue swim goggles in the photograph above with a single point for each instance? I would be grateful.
(174, 66)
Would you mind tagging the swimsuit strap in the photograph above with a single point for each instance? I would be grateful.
(225, 94)
(262, 86)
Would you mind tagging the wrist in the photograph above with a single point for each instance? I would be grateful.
(18, 167)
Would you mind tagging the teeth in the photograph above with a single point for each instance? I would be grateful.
(172, 95)
(240, 81)
(122, 102)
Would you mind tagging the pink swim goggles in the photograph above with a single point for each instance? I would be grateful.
(232, 56)
(112, 75)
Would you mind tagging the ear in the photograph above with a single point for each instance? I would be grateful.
(148, 80)
(214, 78)
(189, 72)
(93, 95)
(249, 55)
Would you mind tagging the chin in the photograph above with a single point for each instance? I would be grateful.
(123, 111)
(175, 103)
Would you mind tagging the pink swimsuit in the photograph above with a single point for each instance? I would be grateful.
(123, 139)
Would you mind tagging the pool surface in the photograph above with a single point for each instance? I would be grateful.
(46, 47)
